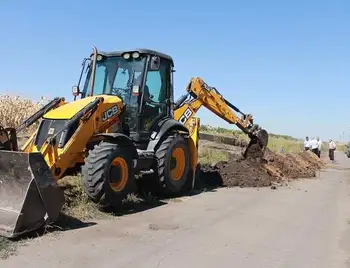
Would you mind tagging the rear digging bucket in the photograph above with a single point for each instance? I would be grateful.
(29, 193)
(257, 145)
(263, 137)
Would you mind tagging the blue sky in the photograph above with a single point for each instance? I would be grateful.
(286, 62)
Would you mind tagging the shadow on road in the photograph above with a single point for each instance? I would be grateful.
(138, 204)
(207, 180)
(64, 223)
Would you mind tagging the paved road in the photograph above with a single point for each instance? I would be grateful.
(305, 225)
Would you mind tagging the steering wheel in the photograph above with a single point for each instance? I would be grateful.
(153, 103)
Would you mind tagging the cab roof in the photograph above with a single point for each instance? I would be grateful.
(139, 50)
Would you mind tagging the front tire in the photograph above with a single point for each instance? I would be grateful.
(173, 165)
(108, 175)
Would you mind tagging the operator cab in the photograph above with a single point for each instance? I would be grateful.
(142, 78)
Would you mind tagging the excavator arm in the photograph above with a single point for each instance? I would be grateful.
(200, 94)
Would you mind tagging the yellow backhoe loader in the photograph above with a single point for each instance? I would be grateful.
(122, 122)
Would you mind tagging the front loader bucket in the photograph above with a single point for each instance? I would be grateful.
(29, 194)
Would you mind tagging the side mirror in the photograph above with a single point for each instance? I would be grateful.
(155, 63)
(75, 91)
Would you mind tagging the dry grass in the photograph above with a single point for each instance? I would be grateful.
(7, 248)
(284, 145)
(77, 203)
(211, 156)
(14, 110)
(277, 143)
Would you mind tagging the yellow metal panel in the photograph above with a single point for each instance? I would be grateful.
(193, 127)
(68, 110)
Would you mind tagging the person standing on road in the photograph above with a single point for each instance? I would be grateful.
(331, 148)
(314, 146)
(306, 144)
(319, 142)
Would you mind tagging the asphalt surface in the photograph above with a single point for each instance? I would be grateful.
(304, 225)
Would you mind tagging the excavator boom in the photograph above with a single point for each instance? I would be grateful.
(202, 94)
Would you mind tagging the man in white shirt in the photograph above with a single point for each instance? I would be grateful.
(314, 146)
(306, 143)
(331, 147)
(319, 142)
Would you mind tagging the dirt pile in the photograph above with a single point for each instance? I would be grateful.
(292, 166)
(271, 169)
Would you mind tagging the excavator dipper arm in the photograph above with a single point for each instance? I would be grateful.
(203, 95)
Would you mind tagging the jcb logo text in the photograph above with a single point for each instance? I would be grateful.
(186, 115)
(109, 113)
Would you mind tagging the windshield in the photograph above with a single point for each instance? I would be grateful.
(117, 76)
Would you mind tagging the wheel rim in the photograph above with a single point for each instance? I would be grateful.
(118, 184)
(177, 163)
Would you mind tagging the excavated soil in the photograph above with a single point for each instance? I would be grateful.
(260, 170)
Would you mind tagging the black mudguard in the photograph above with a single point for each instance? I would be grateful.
(161, 129)
(119, 138)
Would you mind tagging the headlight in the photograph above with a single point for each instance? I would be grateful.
(126, 56)
(135, 55)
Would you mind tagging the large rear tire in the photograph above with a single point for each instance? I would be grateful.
(173, 165)
(108, 175)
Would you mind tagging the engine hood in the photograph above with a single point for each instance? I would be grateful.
(68, 110)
